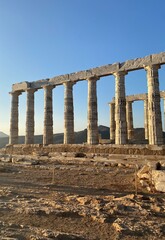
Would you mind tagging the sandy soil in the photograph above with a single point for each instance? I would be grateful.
(77, 199)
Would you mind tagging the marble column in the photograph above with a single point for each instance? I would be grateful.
(13, 139)
(129, 117)
(146, 118)
(112, 121)
(48, 115)
(29, 136)
(164, 111)
(120, 108)
(92, 123)
(154, 112)
(68, 113)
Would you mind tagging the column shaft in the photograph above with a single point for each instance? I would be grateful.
(129, 117)
(68, 113)
(120, 108)
(154, 112)
(13, 139)
(29, 137)
(48, 115)
(92, 125)
(146, 118)
(112, 121)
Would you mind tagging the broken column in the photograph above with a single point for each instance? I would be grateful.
(92, 125)
(13, 139)
(154, 112)
(68, 113)
(29, 136)
(146, 118)
(112, 121)
(48, 115)
(120, 108)
(129, 117)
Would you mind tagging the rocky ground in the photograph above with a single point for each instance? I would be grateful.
(83, 198)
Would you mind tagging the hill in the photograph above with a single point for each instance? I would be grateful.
(80, 136)
(3, 135)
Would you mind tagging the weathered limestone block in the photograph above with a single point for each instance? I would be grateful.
(158, 179)
(92, 125)
(48, 115)
(59, 79)
(120, 108)
(154, 112)
(13, 139)
(22, 86)
(29, 136)
(68, 113)
(137, 63)
(105, 70)
(39, 84)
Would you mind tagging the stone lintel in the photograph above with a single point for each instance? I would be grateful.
(102, 71)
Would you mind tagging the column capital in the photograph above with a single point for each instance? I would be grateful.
(120, 73)
(152, 67)
(69, 83)
(16, 93)
(31, 90)
(93, 78)
(48, 86)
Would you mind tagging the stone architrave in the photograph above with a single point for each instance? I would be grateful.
(129, 117)
(146, 118)
(120, 108)
(92, 122)
(29, 137)
(68, 113)
(13, 139)
(48, 115)
(112, 121)
(154, 112)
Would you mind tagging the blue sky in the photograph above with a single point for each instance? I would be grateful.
(44, 38)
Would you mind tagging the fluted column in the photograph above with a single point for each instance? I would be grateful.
(129, 117)
(112, 121)
(68, 113)
(164, 111)
(13, 139)
(92, 125)
(146, 118)
(120, 108)
(29, 137)
(48, 115)
(154, 112)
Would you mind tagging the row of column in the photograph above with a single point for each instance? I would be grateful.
(92, 123)
(121, 113)
(153, 112)
(129, 120)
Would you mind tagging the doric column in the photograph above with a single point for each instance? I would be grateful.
(164, 111)
(120, 108)
(92, 125)
(29, 137)
(68, 113)
(112, 121)
(13, 139)
(154, 112)
(146, 118)
(48, 115)
(129, 117)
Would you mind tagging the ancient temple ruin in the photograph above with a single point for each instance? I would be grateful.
(120, 125)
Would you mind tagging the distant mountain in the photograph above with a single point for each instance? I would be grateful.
(80, 137)
(2, 135)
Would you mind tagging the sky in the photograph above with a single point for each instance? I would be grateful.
(45, 38)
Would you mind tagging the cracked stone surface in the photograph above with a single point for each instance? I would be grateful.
(75, 198)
